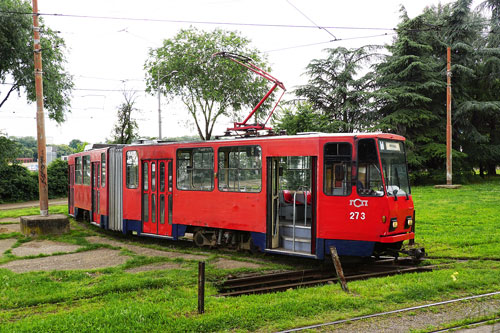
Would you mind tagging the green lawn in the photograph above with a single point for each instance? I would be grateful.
(450, 223)
(459, 223)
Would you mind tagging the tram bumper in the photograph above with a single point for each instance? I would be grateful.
(396, 238)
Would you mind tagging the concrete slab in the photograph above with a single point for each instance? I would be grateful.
(155, 267)
(10, 219)
(233, 264)
(8, 228)
(37, 225)
(6, 244)
(144, 251)
(100, 258)
(35, 248)
(451, 187)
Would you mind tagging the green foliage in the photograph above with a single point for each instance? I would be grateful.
(9, 151)
(412, 83)
(337, 91)
(301, 117)
(17, 184)
(125, 129)
(75, 144)
(16, 59)
(28, 146)
(57, 173)
(209, 87)
(64, 150)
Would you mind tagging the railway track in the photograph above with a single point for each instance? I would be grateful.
(258, 284)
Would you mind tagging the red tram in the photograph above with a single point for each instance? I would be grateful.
(294, 195)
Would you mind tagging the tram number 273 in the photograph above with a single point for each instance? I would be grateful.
(357, 216)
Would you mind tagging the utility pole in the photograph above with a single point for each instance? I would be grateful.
(448, 118)
(40, 118)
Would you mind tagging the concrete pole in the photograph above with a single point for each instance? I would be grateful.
(40, 119)
(448, 119)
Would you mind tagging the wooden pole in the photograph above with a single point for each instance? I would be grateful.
(201, 287)
(448, 118)
(338, 268)
(40, 118)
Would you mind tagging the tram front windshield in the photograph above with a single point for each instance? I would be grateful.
(393, 158)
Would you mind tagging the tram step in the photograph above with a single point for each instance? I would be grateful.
(301, 244)
(301, 231)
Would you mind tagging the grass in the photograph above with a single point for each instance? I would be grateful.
(450, 223)
(14, 213)
(459, 223)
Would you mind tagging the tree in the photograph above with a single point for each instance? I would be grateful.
(412, 93)
(16, 59)
(337, 90)
(301, 117)
(125, 130)
(75, 143)
(64, 150)
(209, 87)
(9, 151)
(28, 146)
(57, 173)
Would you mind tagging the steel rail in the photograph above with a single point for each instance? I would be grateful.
(380, 314)
(493, 321)
(256, 287)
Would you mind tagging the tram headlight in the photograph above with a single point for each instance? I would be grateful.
(394, 224)
(408, 222)
(384, 219)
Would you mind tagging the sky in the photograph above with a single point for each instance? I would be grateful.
(106, 56)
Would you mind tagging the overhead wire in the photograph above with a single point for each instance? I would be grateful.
(265, 25)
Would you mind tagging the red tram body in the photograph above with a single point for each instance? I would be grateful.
(293, 195)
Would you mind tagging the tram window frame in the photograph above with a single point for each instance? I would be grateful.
(233, 163)
(103, 170)
(337, 159)
(86, 170)
(132, 169)
(189, 164)
(367, 163)
(78, 170)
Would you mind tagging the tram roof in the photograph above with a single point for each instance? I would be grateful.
(279, 137)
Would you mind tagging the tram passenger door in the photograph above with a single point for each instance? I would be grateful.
(157, 197)
(273, 208)
(71, 198)
(95, 192)
(165, 199)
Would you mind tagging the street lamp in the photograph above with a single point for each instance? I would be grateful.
(159, 104)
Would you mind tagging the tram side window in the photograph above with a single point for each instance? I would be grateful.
(195, 169)
(86, 170)
(369, 178)
(78, 170)
(103, 170)
(337, 168)
(240, 169)
(132, 169)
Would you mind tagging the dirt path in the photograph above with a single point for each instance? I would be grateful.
(30, 204)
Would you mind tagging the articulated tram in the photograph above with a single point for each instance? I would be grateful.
(293, 195)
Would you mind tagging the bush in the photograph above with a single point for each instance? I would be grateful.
(17, 184)
(57, 173)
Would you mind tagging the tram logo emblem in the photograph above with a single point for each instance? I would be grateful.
(358, 203)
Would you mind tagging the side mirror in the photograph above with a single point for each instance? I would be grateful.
(395, 193)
